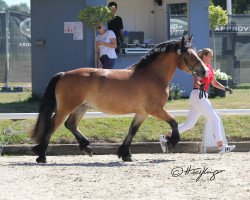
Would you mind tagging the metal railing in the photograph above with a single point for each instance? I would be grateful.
(7, 116)
(207, 139)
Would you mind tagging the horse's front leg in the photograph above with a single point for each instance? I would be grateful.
(124, 149)
(175, 137)
(161, 113)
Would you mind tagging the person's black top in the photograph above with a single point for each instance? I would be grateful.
(116, 25)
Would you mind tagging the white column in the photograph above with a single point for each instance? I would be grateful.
(199, 23)
(229, 7)
(7, 64)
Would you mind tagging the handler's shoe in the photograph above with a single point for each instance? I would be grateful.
(226, 149)
(163, 143)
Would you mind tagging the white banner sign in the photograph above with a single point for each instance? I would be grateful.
(74, 27)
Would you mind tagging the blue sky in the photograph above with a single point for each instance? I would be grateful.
(14, 2)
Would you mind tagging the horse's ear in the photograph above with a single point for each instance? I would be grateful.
(183, 42)
(190, 38)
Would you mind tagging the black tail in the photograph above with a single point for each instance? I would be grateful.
(44, 123)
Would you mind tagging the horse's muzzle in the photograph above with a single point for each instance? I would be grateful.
(204, 74)
(201, 71)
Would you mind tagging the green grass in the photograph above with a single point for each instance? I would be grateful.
(18, 103)
(112, 130)
(242, 86)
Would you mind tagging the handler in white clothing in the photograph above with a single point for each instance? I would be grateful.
(106, 45)
(199, 104)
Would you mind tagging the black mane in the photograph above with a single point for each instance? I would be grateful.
(165, 47)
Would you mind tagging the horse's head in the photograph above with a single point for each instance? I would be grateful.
(188, 59)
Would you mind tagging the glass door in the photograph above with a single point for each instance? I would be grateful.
(177, 18)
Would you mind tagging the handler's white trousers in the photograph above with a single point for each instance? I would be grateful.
(198, 107)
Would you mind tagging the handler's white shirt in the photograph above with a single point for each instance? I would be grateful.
(104, 50)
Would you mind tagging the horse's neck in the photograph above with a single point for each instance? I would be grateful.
(164, 68)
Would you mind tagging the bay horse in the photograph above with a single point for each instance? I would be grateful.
(142, 89)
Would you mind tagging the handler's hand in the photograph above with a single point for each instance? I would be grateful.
(203, 93)
(99, 43)
(228, 89)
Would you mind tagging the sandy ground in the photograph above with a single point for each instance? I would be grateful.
(149, 176)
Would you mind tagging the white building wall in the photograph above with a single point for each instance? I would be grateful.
(136, 15)
(146, 16)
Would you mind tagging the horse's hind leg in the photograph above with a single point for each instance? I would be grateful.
(41, 148)
(72, 123)
(124, 149)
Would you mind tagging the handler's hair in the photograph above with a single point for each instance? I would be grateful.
(204, 52)
(112, 3)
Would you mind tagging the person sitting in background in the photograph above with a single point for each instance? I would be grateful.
(105, 45)
(116, 25)
(200, 105)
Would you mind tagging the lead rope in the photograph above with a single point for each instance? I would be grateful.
(187, 63)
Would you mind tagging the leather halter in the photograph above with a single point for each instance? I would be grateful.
(191, 68)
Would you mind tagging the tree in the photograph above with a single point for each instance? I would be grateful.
(22, 7)
(241, 6)
(238, 6)
(93, 16)
(3, 5)
(217, 17)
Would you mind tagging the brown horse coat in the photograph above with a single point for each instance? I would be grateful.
(124, 91)
(141, 89)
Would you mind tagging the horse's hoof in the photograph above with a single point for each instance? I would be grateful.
(41, 160)
(128, 159)
(88, 150)
(172, 141)
(83, 144)
(119, 154)
(35, 150)
(123, 153)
